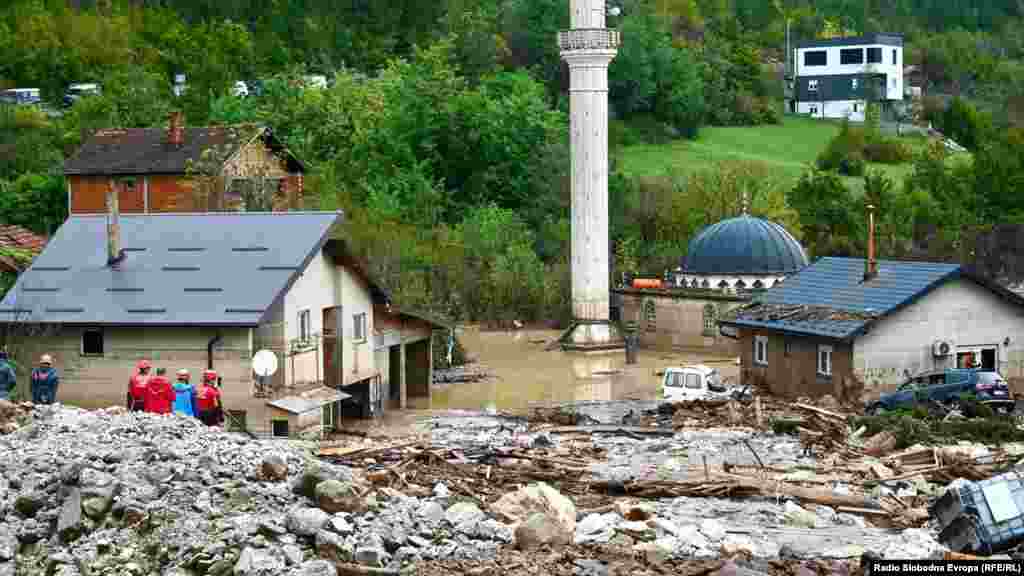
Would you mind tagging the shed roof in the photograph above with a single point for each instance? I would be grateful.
(309, 400)
(127, 151)
(212, 269)
(830, 297)
(13, 237)
(890, 39)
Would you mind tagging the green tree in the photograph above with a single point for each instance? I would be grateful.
(826, 213)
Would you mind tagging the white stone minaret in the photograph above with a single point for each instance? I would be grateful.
(588, 48)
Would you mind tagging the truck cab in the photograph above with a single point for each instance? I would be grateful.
(696, 382)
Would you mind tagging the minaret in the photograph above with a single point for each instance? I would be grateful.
(588, 48)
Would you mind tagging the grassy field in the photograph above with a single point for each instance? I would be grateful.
(789, 149)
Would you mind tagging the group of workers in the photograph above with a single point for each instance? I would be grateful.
(156, 394)
(44, 380)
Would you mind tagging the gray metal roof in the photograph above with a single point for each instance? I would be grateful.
(890, 39)
(211, 269)
(830, 297)
(744, 245)
(309, 401)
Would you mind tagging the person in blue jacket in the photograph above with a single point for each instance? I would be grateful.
(8, 380)
(44, 381)
(184, 395)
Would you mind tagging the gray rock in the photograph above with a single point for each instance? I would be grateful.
(8, 544)
(7, 569)
(306, 521)
(246, 524)
(406, 555)
(332, 547)
(340, 525)
(441, 491)
(540, 530)
(31, 532)
(272, 527)
(463, 513)
(274, 468)
(418, 541)
(658, 551)
(292, 554)
(334, 496)
(372, 556)
(254, 562)
(491, 529)
(69, 525)
(96, 507)
(431, 513)
(713, 529)
(315, 568)
(592, 523)
(590, 568)
(795, 515)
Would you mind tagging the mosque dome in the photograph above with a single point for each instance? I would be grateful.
(744, 245)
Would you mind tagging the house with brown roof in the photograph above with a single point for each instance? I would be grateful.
(18, 247)
(180, 169)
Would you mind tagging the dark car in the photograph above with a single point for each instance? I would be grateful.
(946, 387)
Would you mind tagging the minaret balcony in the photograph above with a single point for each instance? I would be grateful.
(588, 39)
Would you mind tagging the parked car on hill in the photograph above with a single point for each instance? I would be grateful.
(946, 387)
(20, 96)
(76, 92)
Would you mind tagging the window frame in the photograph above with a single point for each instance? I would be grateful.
(894, 60)
(825, 351)
(876, 50)
(689, 377)
(103, 342)
(359, 327)
(710, 319)
(650, 316)
(845, 52)
(807, 62)
(305, 329)
(761, 345)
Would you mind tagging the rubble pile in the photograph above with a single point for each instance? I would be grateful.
(111, 492)
(13, 415)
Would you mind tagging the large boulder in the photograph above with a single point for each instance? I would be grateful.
(539, 530)
(314, 474)
(335, 496)
(516, 507)
(306, 521)
(464, 516)
(27, 504)
(333, 547)
(8, 544)
(257, 562)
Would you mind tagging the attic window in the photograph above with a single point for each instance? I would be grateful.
(66, 310)
(132, 290)
(92, 342)
(51, 268)
(146, 310)
(180, 268)
(250, 249)
(204, 289)
(190, 249)
(27, 289)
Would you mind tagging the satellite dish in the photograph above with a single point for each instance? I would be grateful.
(264, 363)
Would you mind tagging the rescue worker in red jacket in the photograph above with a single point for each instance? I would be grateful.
(137, 387)
(159, 393)
(208, 403)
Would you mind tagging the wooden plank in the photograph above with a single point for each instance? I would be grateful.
(347, 451)
(612, 429)
(820, 411)
(862, 511)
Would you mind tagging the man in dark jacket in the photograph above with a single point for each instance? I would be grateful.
(44, 381)
(8, 381)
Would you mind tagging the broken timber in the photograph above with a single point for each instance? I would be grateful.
(612, 429)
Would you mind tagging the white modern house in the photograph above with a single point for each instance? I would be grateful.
(837, 77)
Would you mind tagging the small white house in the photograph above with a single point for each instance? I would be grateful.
(837, 77)
(209, 290)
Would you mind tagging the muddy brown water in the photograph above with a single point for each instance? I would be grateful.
(527, 374)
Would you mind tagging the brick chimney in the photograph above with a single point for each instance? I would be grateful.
(114, 252)
(176, 129)
(870, 264)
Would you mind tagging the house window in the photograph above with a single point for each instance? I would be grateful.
(279, 428)
(893, 83)
(812, 85)
(787, 349)
(650, 315)
(816, 58)
(874, 55)
(761, 350)
(327, 417)
(359, 327)
(709, 320)
(894, 57)
(851, 56)
(853, 84)
(854, 107)
(92, 342)
(304, 328)
(814, 110)
(825, 360)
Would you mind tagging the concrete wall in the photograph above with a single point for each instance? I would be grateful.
(678, 322)
(93, 381)
(314, 290)
(357, 357)
(852, 109)
(792, 370)
(894, 90)
(959, 311)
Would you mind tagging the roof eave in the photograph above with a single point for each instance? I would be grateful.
(849, 336)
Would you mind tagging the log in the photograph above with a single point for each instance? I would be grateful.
(818, 496)
(348, 451)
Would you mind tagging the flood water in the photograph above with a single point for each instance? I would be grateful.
(526, 374)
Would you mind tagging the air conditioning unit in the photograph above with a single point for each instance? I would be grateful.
(942, 348)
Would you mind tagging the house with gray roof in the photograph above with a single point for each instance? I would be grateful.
(843, 323)
(209, 290)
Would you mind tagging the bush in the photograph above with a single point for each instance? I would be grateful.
(845, 152)
(887, 151)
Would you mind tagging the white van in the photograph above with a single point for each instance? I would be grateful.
(20, 96)
(697, 382)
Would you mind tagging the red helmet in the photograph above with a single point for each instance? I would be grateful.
(209, 375)
(143, 365)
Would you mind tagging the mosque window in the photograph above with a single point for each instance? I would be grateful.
(723, 284)
(709, 320)
(741, 284)
(650, 315)
(758, 284)
(705, 284)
